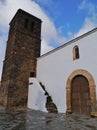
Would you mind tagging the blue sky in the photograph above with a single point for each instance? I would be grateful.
(63, 20)
(69, 15)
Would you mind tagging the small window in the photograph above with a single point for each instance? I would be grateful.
(32, 74)
(75, 52)
(26, 23)
(32, 26)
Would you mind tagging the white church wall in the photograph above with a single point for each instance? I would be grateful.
(36, 96)
(53, 69)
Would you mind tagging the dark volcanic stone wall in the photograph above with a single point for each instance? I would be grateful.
(23, 47)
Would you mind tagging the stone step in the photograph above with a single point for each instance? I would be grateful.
(51, 107)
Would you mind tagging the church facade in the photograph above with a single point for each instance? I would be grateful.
(69, 74)
(62, 80)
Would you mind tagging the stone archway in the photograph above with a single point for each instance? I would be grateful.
(91, 87)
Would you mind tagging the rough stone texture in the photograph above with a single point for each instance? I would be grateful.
(23, 47)
(36, 120)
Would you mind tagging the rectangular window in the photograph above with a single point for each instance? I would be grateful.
(26, 23)
(32, 74)
(32, 26)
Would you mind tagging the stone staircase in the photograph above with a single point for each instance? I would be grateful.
(50, 105)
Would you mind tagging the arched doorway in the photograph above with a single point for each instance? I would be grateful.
(80, 95)
(91, 88)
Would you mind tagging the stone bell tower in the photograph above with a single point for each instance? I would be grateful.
(23, 47)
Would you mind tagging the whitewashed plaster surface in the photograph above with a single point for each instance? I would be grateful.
(36, 96)
(54, 68)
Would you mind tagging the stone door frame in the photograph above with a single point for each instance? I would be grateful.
(92, 86)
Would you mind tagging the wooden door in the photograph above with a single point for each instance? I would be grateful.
(80, 95)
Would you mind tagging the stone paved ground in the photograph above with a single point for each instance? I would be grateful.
(36, 120)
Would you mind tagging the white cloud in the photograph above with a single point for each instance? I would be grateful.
(90, 20)
(2, 50)
(9, 8)
(45, 47)
(89, 6)
(91, 10)
(87, 26)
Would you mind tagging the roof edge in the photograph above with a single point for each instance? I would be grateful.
(69, 42)
(23, 11)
